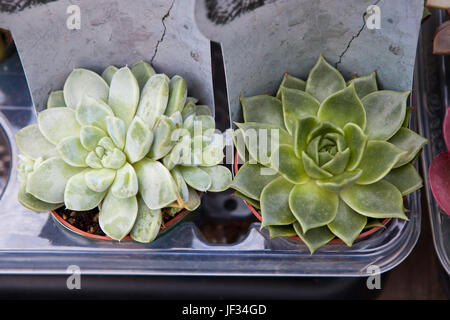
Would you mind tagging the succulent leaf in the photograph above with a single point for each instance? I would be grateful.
(154, 98)
(379, 158)
(312, 205)
(33, 203)
(314, 238)
(213, 152)
(117, 131)
(180, 153)
(162, 139)
(263, 109)
(312, 169)
(124, 95)
(343, 107)
(125, 184)
(99, 180)
(114, 159)
(142, 71)
(365, 85)
(220, 178)
(189, 107)
(56, 99)
(406, 179)
(78, 196)
(282, 231)
(90, 137)
(261, 139)
(239, 143)
(288, 165)
(373, 223)
(93, 161)
(33, 144)
(296, 104)
(107, 144)
(385, 111)
(348, 224)
(177, 95)
(82, 82)
(156, 185)
(250, 180)
(196, 178)
(341, 181)
(324, 80)
(199, 125)
(72, 151)
(108, 74)
(147, 225)
(291, 82)
(302, 130)
(193, 200)
(50, 121)
(138, 140)
(117, 216)
(338, 164)
(182, 187)
(356, 140)
(377, 200)
(93, 112)
(275, 208)
(202, 110)
(409, 141)
(48, 181)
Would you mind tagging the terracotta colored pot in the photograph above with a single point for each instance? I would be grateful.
(258, 215)
(165, 227)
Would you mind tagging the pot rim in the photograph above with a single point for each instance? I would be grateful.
(70, 227)
(258, 215)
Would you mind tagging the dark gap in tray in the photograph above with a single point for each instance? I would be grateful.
(222, 218)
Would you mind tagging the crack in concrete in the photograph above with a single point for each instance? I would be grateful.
(164, 31)
(354, 37)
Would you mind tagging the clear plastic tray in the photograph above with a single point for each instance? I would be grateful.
(434, 91)
(34, 243)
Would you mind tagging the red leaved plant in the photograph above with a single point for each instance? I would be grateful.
(439, 172)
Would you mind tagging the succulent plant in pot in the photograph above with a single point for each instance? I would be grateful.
(325, 158)
(129, 142)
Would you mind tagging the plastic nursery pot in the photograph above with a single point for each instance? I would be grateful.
(258, 215)
(164, 228)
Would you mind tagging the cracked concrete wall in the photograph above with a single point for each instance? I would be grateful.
(112, 32)
(259, 45)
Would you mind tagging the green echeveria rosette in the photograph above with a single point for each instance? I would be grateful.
(129, 142)
(341, 161)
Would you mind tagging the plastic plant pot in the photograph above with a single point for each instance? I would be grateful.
(164, 228)
(41, 243)
(34, 244)
(257, 214)
(433, 90)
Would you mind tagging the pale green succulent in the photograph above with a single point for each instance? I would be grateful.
(342, 158)
(130, 143)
